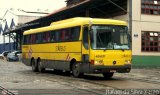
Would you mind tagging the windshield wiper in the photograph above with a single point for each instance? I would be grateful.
(120, 47)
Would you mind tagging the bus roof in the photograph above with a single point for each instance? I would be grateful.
(77, 21)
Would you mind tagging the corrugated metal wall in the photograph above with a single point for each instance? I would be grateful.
(8, 47)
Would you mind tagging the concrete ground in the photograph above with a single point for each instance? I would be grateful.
(20, 80)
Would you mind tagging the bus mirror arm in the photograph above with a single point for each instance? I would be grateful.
(85, 58)
(130, 40)
(129, 37)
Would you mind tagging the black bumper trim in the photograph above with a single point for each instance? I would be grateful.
(103, 69)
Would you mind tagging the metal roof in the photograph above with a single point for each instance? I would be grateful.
(97, 8)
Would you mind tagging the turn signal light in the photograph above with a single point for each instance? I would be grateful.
(127, 62)
(92, 62)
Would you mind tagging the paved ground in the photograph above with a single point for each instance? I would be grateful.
(20, 80)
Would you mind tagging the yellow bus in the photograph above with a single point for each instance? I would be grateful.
(79, 45)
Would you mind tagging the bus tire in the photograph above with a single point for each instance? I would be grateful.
(34, 66)
(40, 68)
(108, 75)
(76, 70)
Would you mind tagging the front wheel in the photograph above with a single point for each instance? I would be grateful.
(108, 75)
(76, 70)
(34, 66)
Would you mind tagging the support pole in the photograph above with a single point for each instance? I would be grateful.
(21, 37)
(130, 21)
(4, 43)
(16, 41)
(9, 41)
(130, 17)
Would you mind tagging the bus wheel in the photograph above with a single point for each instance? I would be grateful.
(76, 70)
(40, 68)
(108, 75)
(34, 66)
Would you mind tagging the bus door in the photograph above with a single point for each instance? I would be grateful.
(85, 48)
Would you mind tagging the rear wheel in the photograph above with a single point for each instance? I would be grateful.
(108, 75)
(34, 66)
(40, 67)
(76, 70)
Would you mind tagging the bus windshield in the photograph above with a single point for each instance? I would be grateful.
(109, 37)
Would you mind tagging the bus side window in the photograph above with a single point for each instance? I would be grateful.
(67, 35)
(62, 33)
(57, 36)
(24, 39)
(47, 36)
(38, 38)
(75, 32)
(33, 38)
(52, 35)
(36, 41)
(28, 39)
(44, 37)
(85, 37)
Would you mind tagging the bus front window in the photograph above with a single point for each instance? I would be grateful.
(109, 37)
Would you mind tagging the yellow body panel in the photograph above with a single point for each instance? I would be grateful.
(54, 51)
(107, 57)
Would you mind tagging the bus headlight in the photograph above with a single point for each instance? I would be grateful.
(98, 62)
(127, 61)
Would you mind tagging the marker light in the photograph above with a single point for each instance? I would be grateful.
(92, 62)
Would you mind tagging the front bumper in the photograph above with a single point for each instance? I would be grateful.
(104, 69)
(13, 58)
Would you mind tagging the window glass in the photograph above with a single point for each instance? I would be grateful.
(53, 36)
(33, 38)
(44, 37)
(150, 41)
(28, 39)
(39, 38)
(47, 36)
(68, 34)
(150, 7)
(75, 32)
(57, 36)
(109, 37)
(62, 34)
(85, 37)
(25, 39)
